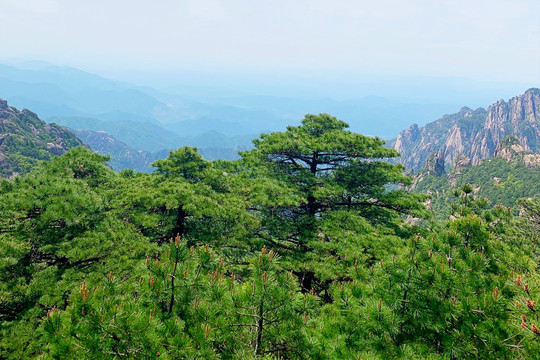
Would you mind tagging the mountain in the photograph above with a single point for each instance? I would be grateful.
(122, 155)
(474, 133)
(212, 146)
(138, 135)
(60, 91)
(25, 140)
(511, 173)
(510, 149)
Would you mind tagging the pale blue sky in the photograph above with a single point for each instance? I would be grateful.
(484, 40)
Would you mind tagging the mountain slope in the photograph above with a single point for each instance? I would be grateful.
(139, 135)
(122, 155)
(474, 133)
(25, 140)
(212, 146)
(511, 173)
(54, 91)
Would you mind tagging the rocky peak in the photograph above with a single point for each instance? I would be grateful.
(407, 136)
(519, 114)
(25, 140)
(29, 113)
(435, 164)
(510, 149)
(6, 111)
(474, 133)
(461, 163)
(465, 111)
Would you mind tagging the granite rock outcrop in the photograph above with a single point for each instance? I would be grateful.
(473, 133)
(25, 140)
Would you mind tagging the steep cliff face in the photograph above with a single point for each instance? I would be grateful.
(433, 167)
(474, 133)
(408, 136)
(25, 140)
(511, 173)
(434, 164)
(520, 117)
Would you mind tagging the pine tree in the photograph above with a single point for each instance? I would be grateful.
(56, 229)
(340, 178)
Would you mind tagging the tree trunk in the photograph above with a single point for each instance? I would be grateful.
(260, 323)
(179, 227)
(178, 231)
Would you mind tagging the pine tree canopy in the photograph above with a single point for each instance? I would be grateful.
(308, 247)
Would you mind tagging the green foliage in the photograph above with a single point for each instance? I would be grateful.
(298, 251)
(182, 305)
(57, 228)
(446, 294)
(187, 196)
(185, 162)
(497, 180)
(333, 171)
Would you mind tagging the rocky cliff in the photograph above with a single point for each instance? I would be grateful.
(510, 148)
(511, 173)
(474, 133)
(25, 140)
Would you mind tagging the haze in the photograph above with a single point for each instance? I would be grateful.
(482, 40)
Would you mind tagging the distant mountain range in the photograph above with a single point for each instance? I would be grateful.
(136, 124)
(25, 140)
(473, 133)
(124, 156)
(64, 92)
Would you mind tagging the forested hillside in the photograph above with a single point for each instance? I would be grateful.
(299, 250)
(25, 140)
(512, 173)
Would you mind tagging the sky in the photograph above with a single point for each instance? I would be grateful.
(494, 40)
